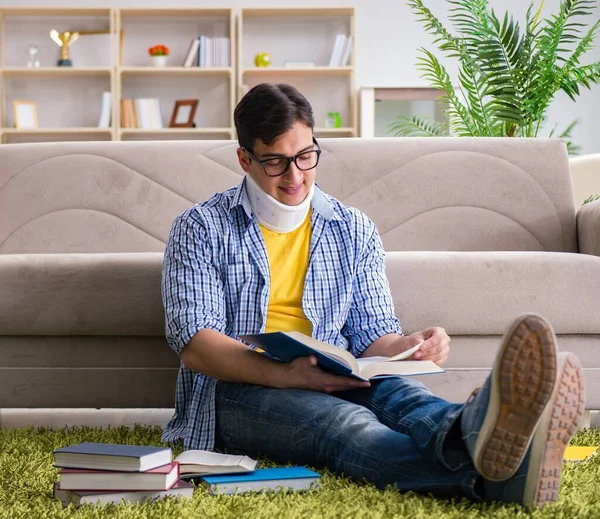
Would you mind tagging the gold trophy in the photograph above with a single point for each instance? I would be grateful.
(63, 40)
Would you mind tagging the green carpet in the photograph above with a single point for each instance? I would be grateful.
(27, 475)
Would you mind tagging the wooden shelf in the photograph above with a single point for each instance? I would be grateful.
(297, 11)
(55, 71)
(171, 11)
(54, 131)
(54, 11)
(344, 130)
(177, 71)
(172, 131)
(307, 71)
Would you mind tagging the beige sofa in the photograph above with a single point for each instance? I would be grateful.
(478, 231)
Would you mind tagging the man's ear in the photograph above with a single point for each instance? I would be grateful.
(244, 160)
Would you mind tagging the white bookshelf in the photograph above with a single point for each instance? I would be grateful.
(302, 35)
(112, 56)
(214, 87)
(62, 115)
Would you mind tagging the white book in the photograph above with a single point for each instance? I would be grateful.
(105, 110)
(148, 113)
(141, 114)
(155, 115)
(337, 50)
(191, 53)
(99, 497)
(209, 52)
(347, 51)
(227, 51)
(202, 55)
(198, 462)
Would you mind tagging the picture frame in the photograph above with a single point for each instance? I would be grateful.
(184, 112)
(25, 115)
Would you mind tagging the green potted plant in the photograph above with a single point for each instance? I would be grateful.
(506, 79)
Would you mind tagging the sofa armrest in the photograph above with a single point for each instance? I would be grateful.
(81, 294)
(588, 228)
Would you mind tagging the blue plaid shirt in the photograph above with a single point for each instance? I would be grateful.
(216, 275)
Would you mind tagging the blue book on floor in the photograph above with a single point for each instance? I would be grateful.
(283, 478)
(112, 456)
(288, 346)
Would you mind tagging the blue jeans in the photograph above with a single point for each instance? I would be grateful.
(395, 432)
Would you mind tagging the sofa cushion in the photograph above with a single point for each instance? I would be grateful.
(81, 294)
(467, 293)
(481, 293)
(422, 193)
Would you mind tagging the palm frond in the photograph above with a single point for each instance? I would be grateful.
(555, 40)
(443, 38)
(592, 198)
(472, 81)
(417, 126)
(585, 45)
(460, 120)
(586, 75)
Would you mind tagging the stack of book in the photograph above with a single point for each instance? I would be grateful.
(204, 51)
(111, 473)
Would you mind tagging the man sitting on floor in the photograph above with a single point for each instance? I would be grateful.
(276, 253)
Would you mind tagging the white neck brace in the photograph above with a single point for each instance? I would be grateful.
(274, 215)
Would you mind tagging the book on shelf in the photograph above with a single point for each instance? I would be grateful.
(212, 52)
(288, 346)
(110, 456)
(342, 50)
(105, 110)
(100, 497)
(148, 114)
(347, 51)
(192, 53)
(197, 463)
(141, 113)
(285, 478)
(160, 478)
(128, 115)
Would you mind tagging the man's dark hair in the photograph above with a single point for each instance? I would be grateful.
(267, 111)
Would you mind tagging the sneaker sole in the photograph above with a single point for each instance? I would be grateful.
(524, 376)
(559, 423)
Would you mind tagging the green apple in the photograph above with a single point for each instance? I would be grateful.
(262, 59)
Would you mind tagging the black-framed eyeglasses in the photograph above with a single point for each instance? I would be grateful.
(277, 166)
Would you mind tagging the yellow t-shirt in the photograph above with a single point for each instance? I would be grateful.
(288, 261)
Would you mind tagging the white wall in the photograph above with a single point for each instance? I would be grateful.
(387, 38)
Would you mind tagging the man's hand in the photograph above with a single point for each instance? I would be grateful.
(435, 347)
(303, 373)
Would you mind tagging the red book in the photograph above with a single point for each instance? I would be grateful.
(160, 478)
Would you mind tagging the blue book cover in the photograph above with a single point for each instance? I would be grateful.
(275, 474)
(284, 347)
(288, 346)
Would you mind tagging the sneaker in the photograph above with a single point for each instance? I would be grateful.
(537, 481)
(498, 423)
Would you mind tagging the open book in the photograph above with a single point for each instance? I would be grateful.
(288, 346)
(200, 463)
